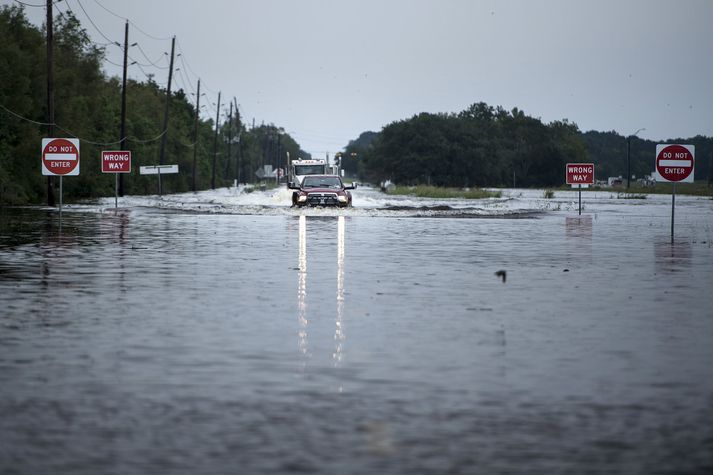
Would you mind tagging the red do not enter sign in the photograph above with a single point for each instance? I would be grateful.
(675, 163)
(60, 157)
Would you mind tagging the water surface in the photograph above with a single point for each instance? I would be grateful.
(175, 339)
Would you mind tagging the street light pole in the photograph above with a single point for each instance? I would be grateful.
(628, 157)
(628, 161)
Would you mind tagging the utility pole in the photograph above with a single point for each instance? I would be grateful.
(168, 102)
(195, 135)
(278, 158)
(215, 143)
(122, 133)
(240, 130)
(230, 139)
(265, 147)
(50, 94)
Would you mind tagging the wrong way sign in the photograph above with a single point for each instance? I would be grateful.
(675, 163)
(118, 161)
(579, 173)
(60, 157)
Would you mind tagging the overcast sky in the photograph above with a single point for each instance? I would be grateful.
(327, 70)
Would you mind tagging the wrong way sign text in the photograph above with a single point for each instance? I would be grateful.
(116, 161)
(580, 173)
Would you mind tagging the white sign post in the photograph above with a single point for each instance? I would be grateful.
(674, 163)
(158, 170)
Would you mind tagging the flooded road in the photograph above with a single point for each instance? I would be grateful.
(225, 332)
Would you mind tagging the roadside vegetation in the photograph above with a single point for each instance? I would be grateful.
(694, 189)
(428, 191)
(88, 104)
(485, 146)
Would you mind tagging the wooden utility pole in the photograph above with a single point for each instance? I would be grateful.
(215, 143)
(50, 94)
(195, 135)
(230, 140)
(168, 101)
(122, 133)
(240, 129)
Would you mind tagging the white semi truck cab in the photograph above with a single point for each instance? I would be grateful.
(300, 168)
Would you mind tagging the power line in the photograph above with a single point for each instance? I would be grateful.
(147, 34)
(150, 76)
(68, 132)
(24, 118)
(94, 24)
(153, 63)
(73, 15)
(112, 62)
(132, 23)
(31, 4)
(184, 73)
(184, 61)
(185, 80)
(106, 9)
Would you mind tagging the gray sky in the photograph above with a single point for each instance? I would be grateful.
(327, 70)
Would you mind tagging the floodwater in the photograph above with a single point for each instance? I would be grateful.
(225, 332)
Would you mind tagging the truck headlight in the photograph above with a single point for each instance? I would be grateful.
(302, 198)
(342, 198)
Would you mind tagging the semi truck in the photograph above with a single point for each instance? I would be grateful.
(300, 168)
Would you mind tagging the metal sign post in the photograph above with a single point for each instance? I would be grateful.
(673, 208)
(60, 201)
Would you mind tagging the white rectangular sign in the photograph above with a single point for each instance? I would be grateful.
(156, 169)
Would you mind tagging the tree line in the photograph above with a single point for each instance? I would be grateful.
(88, 106)
(490, 146)
(479, 146)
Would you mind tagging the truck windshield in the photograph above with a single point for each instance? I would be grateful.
(309, 169)
(321, 182)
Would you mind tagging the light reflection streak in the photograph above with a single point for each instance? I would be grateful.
(339, 335)
(302, 333)
(302, 288)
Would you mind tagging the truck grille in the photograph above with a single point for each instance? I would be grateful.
(322, 199)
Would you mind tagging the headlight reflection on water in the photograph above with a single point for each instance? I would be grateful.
(302, 287)
(339, 330)
(339, 334)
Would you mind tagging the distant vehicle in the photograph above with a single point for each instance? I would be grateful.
(300, 168)
(322, 190)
